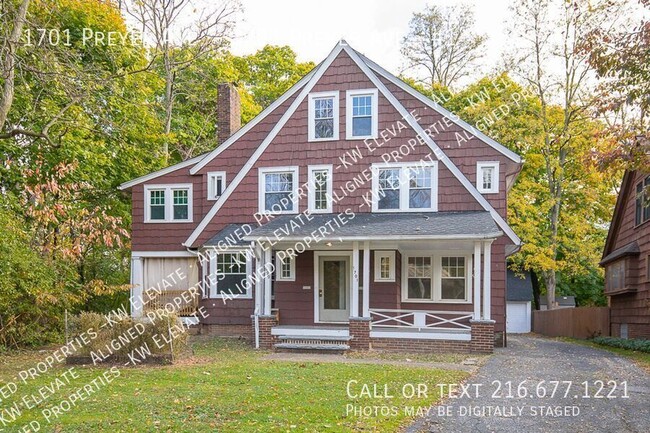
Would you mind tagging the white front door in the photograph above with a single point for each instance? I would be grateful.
(333, 288)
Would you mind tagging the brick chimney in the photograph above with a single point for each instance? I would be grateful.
(228, 111)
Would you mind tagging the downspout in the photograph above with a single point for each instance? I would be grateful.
(256, 312)
(256, 318)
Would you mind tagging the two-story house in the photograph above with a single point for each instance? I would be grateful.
(353, 212)
(626, 259)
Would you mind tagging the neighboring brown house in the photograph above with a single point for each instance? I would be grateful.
(379, 215)
(626, 259)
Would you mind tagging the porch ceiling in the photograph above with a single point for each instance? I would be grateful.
(382, 226)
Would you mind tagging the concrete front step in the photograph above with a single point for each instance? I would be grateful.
(311, 348)
(315, 337)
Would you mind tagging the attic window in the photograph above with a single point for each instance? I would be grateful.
(642, 208)
(323, 116)
(487, 177)
(361, 114)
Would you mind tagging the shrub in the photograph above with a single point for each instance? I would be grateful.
(120, 336)
(638, 345)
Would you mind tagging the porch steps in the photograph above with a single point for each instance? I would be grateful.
(313, 343)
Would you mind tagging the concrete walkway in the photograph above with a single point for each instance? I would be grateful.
(525, 409)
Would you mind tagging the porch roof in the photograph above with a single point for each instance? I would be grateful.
(229, 235)
(382, 226)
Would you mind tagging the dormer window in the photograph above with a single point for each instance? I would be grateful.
(487, 177)
(323, 116)
(216, 184)
(361, 114)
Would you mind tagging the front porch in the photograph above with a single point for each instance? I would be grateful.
(405, 292)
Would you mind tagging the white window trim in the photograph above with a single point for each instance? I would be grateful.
(213, 282)
(378, 256)
(311, 115)
(479, 176)
(169, 207)
(211, 175)
(404, 190)
(436, 286)
(311, 194)
(278, 268)
(348, 113)
(262, 189)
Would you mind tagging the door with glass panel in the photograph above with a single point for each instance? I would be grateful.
(334, 288)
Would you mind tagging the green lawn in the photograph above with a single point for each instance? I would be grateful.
(225, 387)
(641, 358)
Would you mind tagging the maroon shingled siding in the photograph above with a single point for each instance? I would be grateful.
(291, 148)
(632, 308)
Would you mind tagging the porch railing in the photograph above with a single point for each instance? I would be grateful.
(421, 319)
(184, 304)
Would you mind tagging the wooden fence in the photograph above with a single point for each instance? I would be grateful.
(581, 322)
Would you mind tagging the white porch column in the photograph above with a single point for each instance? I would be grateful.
(487, 278)
(137, 286)
(259, 285)
(366, 280)
(354, 304)
(477, 280)
(267, 282)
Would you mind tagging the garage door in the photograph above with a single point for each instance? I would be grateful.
(518, 317)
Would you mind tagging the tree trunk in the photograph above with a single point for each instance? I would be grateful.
(169, 102)
(549, 280)
(9, 63)
(534, 279)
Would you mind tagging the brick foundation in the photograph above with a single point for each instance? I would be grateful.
(236, 331)
(360, 333)
(482, 336)
(265, 324)
(405, 345)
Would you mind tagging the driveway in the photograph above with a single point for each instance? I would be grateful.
(532, 406)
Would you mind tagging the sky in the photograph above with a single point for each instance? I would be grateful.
(375, 28)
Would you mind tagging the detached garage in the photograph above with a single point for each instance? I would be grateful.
(519, 296)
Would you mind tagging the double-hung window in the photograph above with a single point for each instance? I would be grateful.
(384, 266)
(361, 114)
(285, 267)
(404, 187)
(487, 177)
(323, 116)
(436, 278)
(278, 190)
(168, 203)
(642, 208)
(228, 276)
(320, 188)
